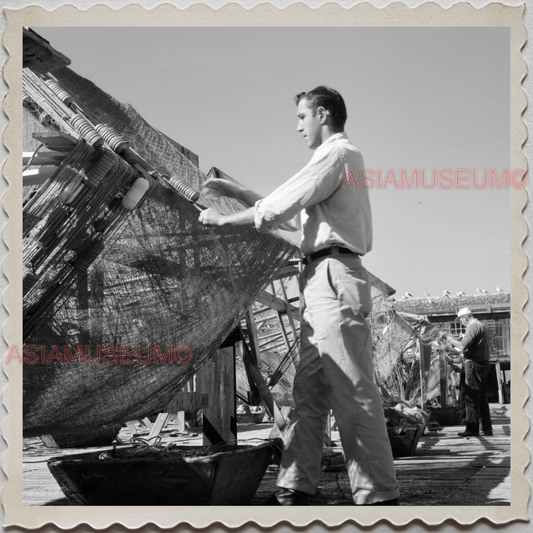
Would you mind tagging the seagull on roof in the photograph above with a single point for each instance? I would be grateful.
(461, 293)
(408, 295)
(427, 294)
(445, 293)
(498, 289)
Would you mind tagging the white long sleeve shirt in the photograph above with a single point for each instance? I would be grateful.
(332, 197)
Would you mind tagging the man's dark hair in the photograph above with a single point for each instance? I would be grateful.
(330, 100)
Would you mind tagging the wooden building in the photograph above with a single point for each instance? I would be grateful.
(494, 310)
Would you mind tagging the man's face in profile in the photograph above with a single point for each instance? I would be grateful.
(309, 124)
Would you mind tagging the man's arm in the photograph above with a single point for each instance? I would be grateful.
(456, 358)
(471, 335)
(225, 187)
(210, 217)
(249, 197)
(232, 190)
(315, 182)
(318, 180)
(455, 342)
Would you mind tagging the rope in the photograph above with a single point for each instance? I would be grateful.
(143, 448)
(100, 169)
(28, 282)
(33, 156)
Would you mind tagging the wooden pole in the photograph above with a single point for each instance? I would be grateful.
(263, 389)
(218, 381)
(422, 375)
(254, 395)
(252, 335)
(289, 314)
(425, 362)
(443, 370)
(499, 380)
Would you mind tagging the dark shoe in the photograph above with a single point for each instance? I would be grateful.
(272, 501)
(487, 433)
(467, 434)
(288, 497)
(387, 502)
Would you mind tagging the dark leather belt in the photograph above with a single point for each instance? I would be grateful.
(308, 259)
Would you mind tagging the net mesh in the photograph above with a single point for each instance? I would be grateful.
(108, 290)
(395, 340)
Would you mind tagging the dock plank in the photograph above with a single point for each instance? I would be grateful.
(444, 470)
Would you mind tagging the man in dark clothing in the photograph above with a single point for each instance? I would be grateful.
(475, 348)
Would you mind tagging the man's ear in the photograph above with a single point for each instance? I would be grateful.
(322, 113)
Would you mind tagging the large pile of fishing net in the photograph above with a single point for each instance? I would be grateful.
(397, 341)
(99, 275)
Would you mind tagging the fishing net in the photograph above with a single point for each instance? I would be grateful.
(121, 306)
(395, 341)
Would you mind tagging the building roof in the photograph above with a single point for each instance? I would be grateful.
(478, 303)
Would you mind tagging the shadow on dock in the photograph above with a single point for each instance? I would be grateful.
(445, 470)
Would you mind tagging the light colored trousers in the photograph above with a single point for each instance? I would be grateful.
(335, 372)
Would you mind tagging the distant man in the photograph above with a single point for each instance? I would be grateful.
(475, 348)
(335, 370)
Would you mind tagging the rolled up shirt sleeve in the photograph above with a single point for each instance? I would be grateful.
(263, 217)
(324, 173)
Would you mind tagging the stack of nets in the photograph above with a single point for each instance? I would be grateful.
(395, 341)
(106, 289)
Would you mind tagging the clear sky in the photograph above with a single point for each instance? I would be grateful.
(417, 98)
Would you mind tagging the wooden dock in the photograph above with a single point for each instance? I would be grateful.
(445, 469)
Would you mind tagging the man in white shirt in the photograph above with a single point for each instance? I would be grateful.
(335, 370)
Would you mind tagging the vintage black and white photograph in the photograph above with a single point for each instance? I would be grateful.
(268, 266)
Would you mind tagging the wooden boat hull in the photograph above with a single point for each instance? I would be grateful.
(229, 476)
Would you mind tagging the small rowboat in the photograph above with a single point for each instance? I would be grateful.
(220, 475)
